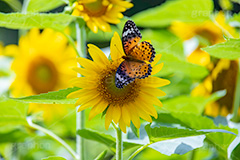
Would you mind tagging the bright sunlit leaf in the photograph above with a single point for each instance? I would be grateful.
(227, 50)
(181, 10)
(43, 5)
(57, 21)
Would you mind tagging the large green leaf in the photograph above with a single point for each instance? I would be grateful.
(43, 5)
(173, 64)
(101, 155)
(54, 158)
(220, 140)
(56, 97)
(227, 50)
(14, 4)
(57, 21)
(182, 10)
(161, 133)
(16, 135)
(12, 112)
(188, 104)
(105, 139)
(164, 42)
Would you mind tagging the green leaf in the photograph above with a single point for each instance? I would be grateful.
(197, 122)
(237, 1)
(108, 140)
(134, 130)
(14, 4)
(56, 97)
(227, 50)
(188, 104)
(57, 21)
(12, 112)
(178, 146)
(53, 158)
(161, 133)
(101, 155)
(182, 10)
(173, 64)
(164, 42)
(43, 5)
(16, 135)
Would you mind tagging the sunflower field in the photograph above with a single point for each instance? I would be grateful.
(119, 79)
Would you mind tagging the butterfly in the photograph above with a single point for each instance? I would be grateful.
(138, 55)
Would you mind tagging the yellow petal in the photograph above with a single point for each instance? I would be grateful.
(116, 47)
(134, 115)
(155, 82)
(116, 113)
(92, 26)
(84, 82)
(122, 125)
(108, 117)
(98, 108)
(110, 20)
(90, 103)
(146, 106)
(126, 116)
(144, 115)
(153, 99)
(153, 91)
(87, 98)
(102, 24)
(85, 72)
(97, 54)
(88, 64)
(157, 68)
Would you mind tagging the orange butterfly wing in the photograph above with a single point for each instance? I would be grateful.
(143, 51)
(130, 36)
(129, 70)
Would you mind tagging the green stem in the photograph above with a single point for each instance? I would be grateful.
(236, 96)
(80, 117)
(25, 6)
(192, 155)
(53, 136)
(119, 143)
(138, 151)
(71, 41)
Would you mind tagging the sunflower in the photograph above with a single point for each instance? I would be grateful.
(43, 62)
(130, 103)
(208, 30)
(218, 69)
(99, 13)
(223, 76)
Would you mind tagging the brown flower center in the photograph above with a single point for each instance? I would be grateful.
(227, 80)
(42, 75)
(95, 9)
(212, 37)
(114, 95)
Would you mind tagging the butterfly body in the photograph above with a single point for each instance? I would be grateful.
(138, 57)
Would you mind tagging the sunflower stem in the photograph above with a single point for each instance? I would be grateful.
(53, 136)
(25, 6)
(236, 96)
(80, 117)
(119, 142)
(138, 151)
(23, 11)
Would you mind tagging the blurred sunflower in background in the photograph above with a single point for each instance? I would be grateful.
(99, 13)
(130, 103)
(223, 73)
(42, 63)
